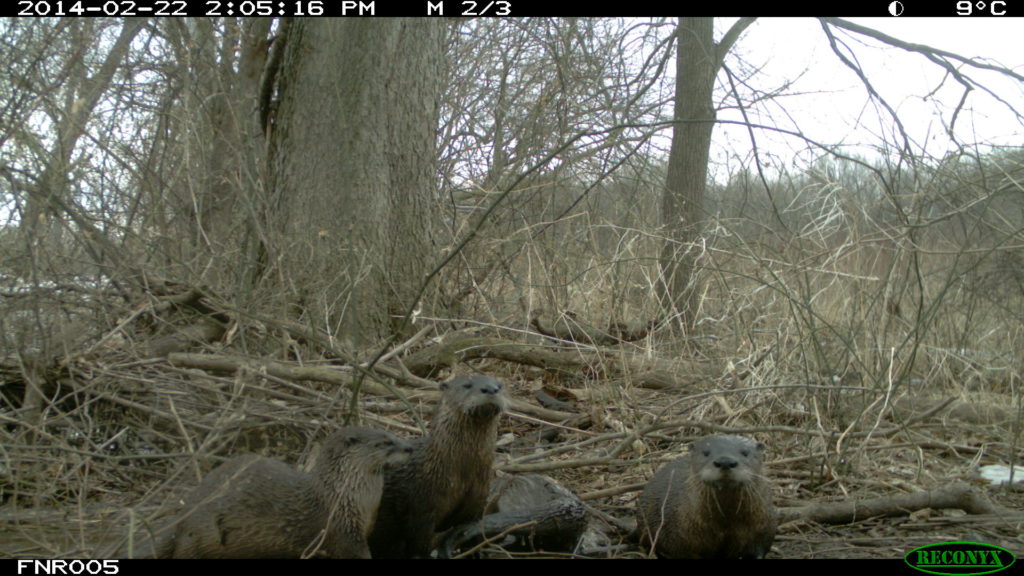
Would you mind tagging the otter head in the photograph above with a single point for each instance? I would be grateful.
(478, 397)
(375, 448)
(727, 460)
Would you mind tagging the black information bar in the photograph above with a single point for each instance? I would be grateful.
(508, 8)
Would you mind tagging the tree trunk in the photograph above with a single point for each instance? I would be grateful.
(353, 169)
(683, 203)
(697, 63)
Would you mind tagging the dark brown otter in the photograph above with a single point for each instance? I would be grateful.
(445, 481)
(712, 503)
(253, 507)
(534, 511)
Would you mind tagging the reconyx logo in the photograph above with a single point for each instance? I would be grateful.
(959, 558)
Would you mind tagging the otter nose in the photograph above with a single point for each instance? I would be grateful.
(726, 463)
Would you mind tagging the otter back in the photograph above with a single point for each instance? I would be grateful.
(253, 507)
(712, 503)
(445, 481)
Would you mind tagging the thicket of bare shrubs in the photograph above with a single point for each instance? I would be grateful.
(833, 332)
(865, 321)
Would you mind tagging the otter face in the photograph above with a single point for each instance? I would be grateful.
(397, 452)
(727, 460)
(477, 396)
(376, 447)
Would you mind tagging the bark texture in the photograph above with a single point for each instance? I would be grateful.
(353, 169)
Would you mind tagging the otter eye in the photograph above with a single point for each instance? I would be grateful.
(745, 452)
(467, 385)
(707, 453)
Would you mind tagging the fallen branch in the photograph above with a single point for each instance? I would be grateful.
(337, 376)
(575, 361)
(567, 328)
(960, 496)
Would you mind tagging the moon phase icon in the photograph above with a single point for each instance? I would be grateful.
(895, 8)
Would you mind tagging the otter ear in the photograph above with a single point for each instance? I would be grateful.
(443, 386)
(760, 446)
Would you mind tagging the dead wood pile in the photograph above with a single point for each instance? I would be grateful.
(129, 404)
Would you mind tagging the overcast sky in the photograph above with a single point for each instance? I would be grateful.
(828, 103)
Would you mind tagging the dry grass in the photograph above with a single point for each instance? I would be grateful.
(831, 341)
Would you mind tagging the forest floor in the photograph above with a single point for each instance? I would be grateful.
(941, 451)
(134, 434)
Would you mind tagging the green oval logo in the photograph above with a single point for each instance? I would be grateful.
(959, 558)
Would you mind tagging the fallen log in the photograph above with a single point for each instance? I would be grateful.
(575, 361)
(568, 328)
(959, 496)
(334, 375)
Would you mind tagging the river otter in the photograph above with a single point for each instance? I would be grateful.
(551, 517)
(254, 507)
(445, 481)
(712, 503)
